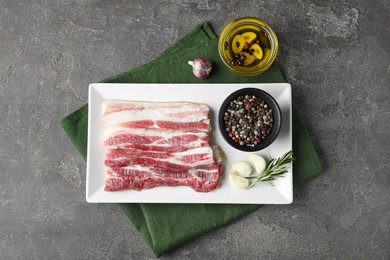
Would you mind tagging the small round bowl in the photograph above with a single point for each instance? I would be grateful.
(277, 118)
(268, 41)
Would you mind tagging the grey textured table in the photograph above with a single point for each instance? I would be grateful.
(334, 53)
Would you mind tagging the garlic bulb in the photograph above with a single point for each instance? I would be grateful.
(201, 68)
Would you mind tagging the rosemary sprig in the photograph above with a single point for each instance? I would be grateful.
(275, 168)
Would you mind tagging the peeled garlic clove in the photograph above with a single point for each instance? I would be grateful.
(250, 58)
(249, 36)
(238, 44)
(257, 51)
(266, 55)
(242, 168)
(258, 161)
(238, 181)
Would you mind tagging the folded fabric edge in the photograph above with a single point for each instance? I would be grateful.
(135, 214)
(301, 135)
(209, 31)
(78, 138)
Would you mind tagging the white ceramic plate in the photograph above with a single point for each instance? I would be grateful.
(281, 192)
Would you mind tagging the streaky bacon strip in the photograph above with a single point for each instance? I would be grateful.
(189, 156)
(185, 114)
(201, 126)
(183, 139)
(186, 126)
(123, 153)
(209, 173)
(152, 144)
(158, 148)
(112, 106)
(137, 183)
(189, 160)
(188, 115)
(157, 164)
(138, 124)
(139, 180)
(131, 138)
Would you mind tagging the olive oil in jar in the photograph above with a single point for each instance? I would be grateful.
(248, 47)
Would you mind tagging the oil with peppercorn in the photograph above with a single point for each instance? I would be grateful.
(248, 47)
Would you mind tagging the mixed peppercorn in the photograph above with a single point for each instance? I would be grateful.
(248, 120)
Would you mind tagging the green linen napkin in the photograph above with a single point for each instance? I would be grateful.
(167, 226)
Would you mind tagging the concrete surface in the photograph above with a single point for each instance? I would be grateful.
(334, 53)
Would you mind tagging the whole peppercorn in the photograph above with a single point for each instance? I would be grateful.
(248, 120)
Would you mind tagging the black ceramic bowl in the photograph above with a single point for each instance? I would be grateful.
(268, 99)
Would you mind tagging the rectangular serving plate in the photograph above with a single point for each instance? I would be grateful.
(279, 192)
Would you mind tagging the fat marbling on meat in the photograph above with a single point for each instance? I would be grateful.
(150, 144)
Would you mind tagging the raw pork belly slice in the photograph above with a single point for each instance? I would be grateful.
(150, 144)
(183, 116)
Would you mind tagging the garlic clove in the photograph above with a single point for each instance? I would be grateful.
(238, 181)
(257, 51)
(249, 59)
(249, 36)
(242, 168)
(258, 161)
(238, 44)
(201, 68)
